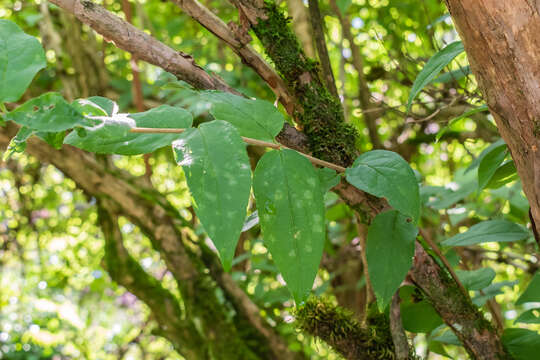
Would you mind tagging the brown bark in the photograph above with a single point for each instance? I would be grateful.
(501, 40)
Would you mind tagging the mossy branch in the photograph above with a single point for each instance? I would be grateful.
(338, 327)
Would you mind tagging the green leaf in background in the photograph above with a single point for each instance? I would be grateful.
(504, 174)
(21, 57)
(112, 133)
(291, 211)
(489, 165)
(531, 316)
(532, 293)
(417, 314)
(476, 279)
(386, 174)
(461, 117)
(453, 75)
(328, 178)
(48, 112)
(489, 231)
(522, 344)
(343, 5)
(477, 161)
(491, 291)
(433, 67)
(256, 119)
(218, 174)
(390, 250)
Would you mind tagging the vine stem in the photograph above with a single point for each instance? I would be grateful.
(247, 140)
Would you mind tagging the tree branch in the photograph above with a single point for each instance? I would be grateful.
(237, 38)
(320, 42)
(143, 46)
(127, 272)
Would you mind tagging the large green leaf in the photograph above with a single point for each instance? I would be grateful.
(489, 231)
(433, 67)
(257, 119)
(417, 314)
(48, 112)
(390, 249)
(489, 165)
(386, 174)
(476, 279)
(218, 174)
(522, 344)
(112, 134)
(532, 293)
(21, 57)
(291, 211)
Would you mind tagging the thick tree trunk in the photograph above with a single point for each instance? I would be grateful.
(502, 43)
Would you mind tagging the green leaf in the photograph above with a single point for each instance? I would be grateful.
(48, 112)
(18, 142)
(291, 211)
(491, 291)
(465, 115)
(433, 67)
(476, 279)
(505, 174)
(531, 316)
(477, 161)
(386, 174)
(532, 293)
(453, 75)
(328, 178)
(112, 133)
(21, 57)
(522, 344)
(390, 249)
(343, 5)
(417, 315)
(489, 165)
(256, 119)
(218, 174)
(489, 231)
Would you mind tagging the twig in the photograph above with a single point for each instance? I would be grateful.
(396, 328)
(237, 38)
(318, 32)
(247, 140)
(445, 261)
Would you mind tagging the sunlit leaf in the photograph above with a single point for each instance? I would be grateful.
(386, 174)
(21, 57)
(111, 134)
(433, 67)
(390, 249)
(257, 119)
(216, 166)
(489, 231)
(48, 112)
(291, 211)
